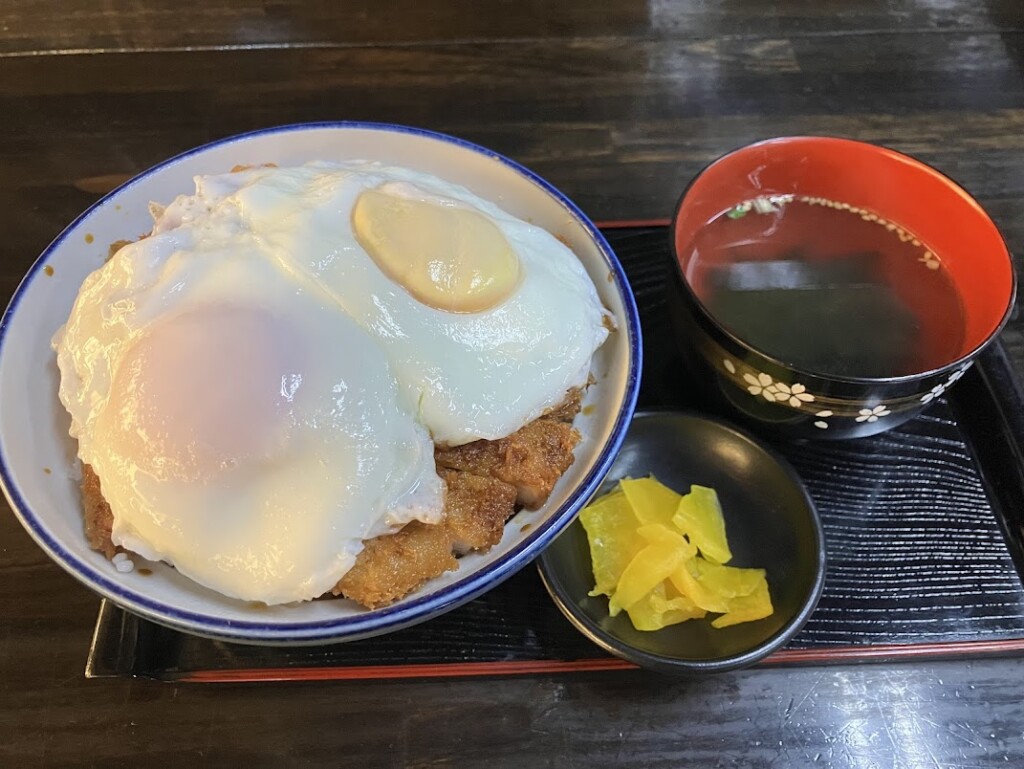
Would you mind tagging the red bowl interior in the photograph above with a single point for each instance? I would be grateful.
(899, 188)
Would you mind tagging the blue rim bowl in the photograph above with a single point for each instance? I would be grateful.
(31, 417)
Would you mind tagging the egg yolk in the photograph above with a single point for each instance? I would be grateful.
(448, 257)
(203, 393)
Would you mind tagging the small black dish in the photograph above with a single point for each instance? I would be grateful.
(771, 523)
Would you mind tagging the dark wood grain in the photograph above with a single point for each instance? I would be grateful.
(47, 26)
(647, 116)
(619, 103)
(962, 714)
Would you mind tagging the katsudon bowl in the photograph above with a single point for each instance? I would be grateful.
(38, 466)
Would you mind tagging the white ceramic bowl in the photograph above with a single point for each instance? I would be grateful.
(37, 458)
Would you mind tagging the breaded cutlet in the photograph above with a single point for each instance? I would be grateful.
(532, 458)
(567, 410)
(96, 514)
(476, 509)
(389, 567)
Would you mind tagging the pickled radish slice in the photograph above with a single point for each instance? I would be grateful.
(660, 557)
(699, 516)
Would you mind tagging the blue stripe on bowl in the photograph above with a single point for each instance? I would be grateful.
(410, 611)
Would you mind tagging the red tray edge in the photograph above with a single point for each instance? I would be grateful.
(837, 655)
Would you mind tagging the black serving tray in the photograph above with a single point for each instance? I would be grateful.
(923, 529)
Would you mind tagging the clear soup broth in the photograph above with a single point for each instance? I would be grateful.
(827, 287)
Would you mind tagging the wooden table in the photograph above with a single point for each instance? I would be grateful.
(617, 103)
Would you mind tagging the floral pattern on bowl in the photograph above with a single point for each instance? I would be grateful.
(796, 396)
(939, 389)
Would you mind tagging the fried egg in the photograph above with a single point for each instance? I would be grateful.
(243, 427)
